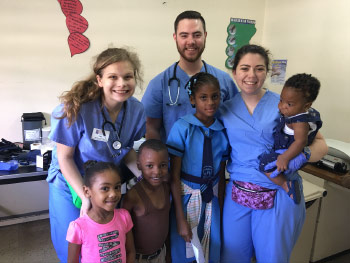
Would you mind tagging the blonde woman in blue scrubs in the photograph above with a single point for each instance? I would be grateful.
(265, 227)
(97, 120)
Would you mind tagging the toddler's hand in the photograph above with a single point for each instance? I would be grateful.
(184, 230)
(294, 165)
(282, 163)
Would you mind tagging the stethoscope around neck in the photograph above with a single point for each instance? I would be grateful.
(175, 78)
(117, 144)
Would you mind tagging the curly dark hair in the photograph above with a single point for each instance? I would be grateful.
(305, 83)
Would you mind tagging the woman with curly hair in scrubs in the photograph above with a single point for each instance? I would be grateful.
(260, 218)
(97, 120)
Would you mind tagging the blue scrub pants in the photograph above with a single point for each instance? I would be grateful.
(269, 234)
(62, 212)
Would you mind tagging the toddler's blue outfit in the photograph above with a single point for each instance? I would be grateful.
(284, 136)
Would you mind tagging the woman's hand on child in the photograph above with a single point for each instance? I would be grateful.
(85, 206)
(184, 230)
(294, 165)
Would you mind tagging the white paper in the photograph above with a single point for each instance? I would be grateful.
(97, 135)
(189, 250)
(197, 246)
(32, 135)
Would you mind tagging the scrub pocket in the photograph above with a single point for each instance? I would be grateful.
(252, 195)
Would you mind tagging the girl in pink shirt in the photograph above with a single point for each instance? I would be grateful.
(104, 233)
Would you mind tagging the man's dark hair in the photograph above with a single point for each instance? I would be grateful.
(189, 14)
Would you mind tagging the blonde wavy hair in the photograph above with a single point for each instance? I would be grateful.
(88, 90)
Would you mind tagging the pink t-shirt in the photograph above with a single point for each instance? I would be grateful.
(101, 242)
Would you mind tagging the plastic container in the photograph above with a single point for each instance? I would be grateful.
(32, 124)
(45, 135)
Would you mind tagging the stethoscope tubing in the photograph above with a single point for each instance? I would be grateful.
(118, 134)
(175, 78)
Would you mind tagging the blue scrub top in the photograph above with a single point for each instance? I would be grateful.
(156, 97)
(79, 135)
(249, 136)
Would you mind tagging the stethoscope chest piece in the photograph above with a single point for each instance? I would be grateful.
(117, 145)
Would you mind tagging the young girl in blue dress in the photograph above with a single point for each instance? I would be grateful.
(198, 148)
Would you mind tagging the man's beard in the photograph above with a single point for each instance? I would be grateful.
(190, 59)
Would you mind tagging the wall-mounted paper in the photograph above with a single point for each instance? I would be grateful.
(278, 71)
(239, 31)
(76, 24)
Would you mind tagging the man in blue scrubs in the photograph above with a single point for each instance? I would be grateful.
(166, 99)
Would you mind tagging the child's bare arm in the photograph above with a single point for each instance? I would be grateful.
(128, 201)
(301, 130)
(130, 248)
(73, 252)
(175, 173)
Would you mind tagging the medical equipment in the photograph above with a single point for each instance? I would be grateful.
(338, 156)
(117, 144)
(31, 128)
(175, 78)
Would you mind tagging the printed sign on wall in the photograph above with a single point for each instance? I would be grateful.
(239, 31)
(278, 71)
(76, 24)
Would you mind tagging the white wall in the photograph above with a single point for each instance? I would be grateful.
(35, 62)
(314, 36)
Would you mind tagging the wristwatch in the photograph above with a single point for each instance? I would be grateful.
(307, 152)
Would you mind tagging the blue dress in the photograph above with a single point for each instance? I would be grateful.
(269, 234)
(79, 135)
(186, 141)
(283, 140)
(157, 102)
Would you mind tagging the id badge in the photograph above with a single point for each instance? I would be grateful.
(97, 135)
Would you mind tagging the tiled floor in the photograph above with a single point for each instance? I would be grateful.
(30, 243)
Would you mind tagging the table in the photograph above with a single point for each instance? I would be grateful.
(332, 232)
(28, 173)
(24, 195)
(328, 175)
